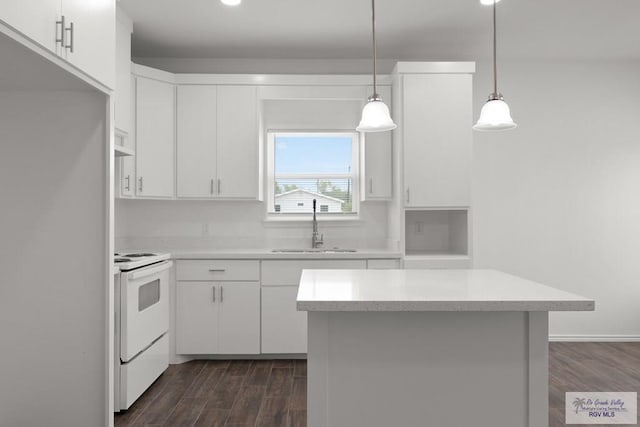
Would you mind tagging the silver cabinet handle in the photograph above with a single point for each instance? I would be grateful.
(217, 270)
(370, 185)
(70, 30)
(140, 184)
(221, 294)
(61, 24)
(408, 195)
(211, 186)
(218, 186)
(128, 183)
(213, 292)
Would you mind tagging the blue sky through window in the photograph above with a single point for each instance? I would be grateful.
(313, 154)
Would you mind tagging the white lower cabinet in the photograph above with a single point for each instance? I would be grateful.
(239, 318)
(217, 318)
(196, 318)
(243, 307)
(284, 328)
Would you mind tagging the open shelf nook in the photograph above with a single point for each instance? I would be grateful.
(436, 232)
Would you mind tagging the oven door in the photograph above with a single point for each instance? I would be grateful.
(144, 308)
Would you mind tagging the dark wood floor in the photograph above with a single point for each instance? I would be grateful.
(273, 393)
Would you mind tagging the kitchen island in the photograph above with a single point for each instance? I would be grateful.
(428, 347)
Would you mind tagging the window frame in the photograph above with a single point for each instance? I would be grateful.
(354, 175)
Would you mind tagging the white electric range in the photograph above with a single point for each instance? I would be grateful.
(141, 346)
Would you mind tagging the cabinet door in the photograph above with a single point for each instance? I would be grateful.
(154, 138)
(36, 19)
(196, 141)
(94, 38)
(123, 77)
(284, 328)
(437, 139)
(197, 317)
(127, 176)
(375, 159)
(239, 319)
(238, 150)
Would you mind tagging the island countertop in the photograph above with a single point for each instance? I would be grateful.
(430, 290)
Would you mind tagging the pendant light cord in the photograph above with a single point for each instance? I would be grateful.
(495, 62)
(373, 27)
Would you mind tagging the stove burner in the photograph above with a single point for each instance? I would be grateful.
(139, 255)
(121, 260)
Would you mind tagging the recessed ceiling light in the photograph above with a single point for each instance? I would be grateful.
(489, 2)
(231, 2)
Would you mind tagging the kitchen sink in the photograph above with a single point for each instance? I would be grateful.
(313, 251)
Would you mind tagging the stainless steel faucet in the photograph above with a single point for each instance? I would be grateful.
(315, 241)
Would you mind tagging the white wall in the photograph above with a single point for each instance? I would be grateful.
(53, 247)
(558, 199)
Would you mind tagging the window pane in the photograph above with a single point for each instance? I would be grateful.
(313, 154)
(296, 195)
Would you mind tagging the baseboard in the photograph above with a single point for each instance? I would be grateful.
(594, 338)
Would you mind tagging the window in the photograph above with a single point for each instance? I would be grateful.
(304, 166)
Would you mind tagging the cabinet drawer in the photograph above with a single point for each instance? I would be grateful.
(383, 264)
(282, 273)
(218, 270)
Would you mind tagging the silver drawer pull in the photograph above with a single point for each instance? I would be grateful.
(217, 270)
(221, 293)
(213, 289)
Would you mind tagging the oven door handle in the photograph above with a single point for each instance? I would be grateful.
(144, 272)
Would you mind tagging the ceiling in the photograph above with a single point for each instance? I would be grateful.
(407, 29)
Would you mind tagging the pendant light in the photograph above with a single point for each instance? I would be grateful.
(375, 114)
(495, 114)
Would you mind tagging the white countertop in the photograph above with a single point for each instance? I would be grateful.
(269, 254)
(430, 290)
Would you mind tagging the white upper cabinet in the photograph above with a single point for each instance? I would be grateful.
(86, 40)
(154, 138)
(217, 143)
(196, 141)
(123, 74)
(91, 37)
(375, 159)
(436, 136)
(238, 159)
(35, 19)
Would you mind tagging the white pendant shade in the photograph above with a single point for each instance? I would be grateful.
(231, 2)
(376, 117)
(495, 115)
